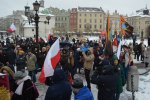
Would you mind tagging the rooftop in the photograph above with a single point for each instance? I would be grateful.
(90, 9)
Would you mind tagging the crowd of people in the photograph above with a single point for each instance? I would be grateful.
(110, 73)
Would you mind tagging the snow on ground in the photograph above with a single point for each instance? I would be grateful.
(127, 40)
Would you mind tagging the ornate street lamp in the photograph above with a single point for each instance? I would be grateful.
(35, 18)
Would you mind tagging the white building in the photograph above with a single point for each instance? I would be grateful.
(28, 30)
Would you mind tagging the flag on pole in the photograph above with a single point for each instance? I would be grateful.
(52, 59)
(119, 50)
(108, 28)
(12, 28)
(126, 29)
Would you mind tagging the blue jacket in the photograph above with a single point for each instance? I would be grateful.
(84, 94)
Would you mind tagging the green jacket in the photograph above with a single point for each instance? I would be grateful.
(121, 79)
(31, 60)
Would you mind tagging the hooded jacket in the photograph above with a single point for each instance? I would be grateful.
(61, 89)
(84, 94)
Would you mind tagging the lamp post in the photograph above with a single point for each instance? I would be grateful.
(35, 18)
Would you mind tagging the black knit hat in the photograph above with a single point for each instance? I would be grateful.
(77, 83)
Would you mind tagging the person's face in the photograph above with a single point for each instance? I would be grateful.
(43, 49)
(116, 62)
(71, 53)
(29, 53)
(89, 52)
(5, 72)
(47, 47)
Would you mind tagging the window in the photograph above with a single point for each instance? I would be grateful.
(95, 26)
(65, 18)
(90, 15)
(84, 14)
(80, 15)
(85, 20)
(100, 15)
(95, 15)
(100, 21)
(90, 20)
(100, 27)
(62, 18)
(95, 21)
(90, 26)
(80, 20)
(80, 26)
(84, 26)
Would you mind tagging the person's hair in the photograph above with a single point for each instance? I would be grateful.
(10, 72)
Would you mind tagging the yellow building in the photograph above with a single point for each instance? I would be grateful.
(115, 21)
(140, 21)
(90, 19)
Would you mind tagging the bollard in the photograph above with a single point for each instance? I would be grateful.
(133, 80)
(132, 86)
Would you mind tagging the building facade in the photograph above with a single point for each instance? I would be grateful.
(28, 30)
(90, 19)
(115, 22)
(62, 18)
(140, 21)
(73, 20)
(14, 18)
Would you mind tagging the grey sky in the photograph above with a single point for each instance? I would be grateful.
(123, 6)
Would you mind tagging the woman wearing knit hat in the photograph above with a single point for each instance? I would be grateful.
(25, 90)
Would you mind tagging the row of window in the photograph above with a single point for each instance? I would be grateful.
(90, 26)
(85, 20)
(60, 24)
(61, 19)
(96, 15)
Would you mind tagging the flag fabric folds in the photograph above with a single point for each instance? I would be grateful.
(51, 61)
(12, 28)
(108, 27)
(126, 29)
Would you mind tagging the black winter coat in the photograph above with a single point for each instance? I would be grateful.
(106, 86)
(28, 93)
(61, 89)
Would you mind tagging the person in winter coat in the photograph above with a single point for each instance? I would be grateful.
(80, 91)
(60, 89)
(42, 57)
(25, 90)
(120, 80)
(88, 64)
(31, 61)
(3, 57)
(21, 60)
(147, 57)
(106, 82)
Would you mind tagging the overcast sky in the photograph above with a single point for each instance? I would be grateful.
(122, 6)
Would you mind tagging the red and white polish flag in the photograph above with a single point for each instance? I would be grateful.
(12, 28)
(51, 60)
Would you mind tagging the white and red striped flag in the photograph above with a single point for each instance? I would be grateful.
(51, 60)
(12, 28)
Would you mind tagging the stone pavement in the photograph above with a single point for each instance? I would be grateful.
(124, 96)
(43, 88)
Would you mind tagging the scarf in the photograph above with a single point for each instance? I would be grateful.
(21, 83)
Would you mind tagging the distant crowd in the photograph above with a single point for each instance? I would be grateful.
(109, 72)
